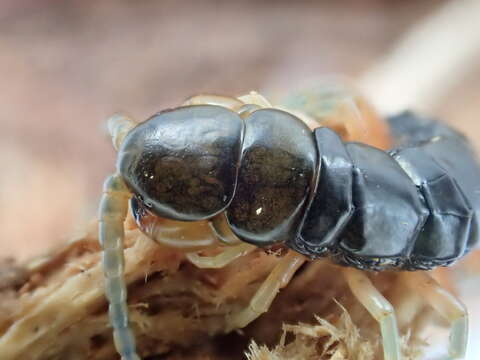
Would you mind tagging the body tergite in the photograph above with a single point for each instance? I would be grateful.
(265, 178)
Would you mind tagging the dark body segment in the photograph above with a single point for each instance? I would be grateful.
(451, 151)
(332, 205)
(276, 178)
(182, 163)
(388, 215)
(455, 155)
(409, 129)
(445, 234)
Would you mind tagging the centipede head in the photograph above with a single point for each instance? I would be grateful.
(182, 164)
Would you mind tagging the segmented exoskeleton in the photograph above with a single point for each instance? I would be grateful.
(413, 207)
(264, 178)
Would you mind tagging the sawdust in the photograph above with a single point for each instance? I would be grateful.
(54, 307)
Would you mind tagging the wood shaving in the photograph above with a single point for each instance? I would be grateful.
(54, 307)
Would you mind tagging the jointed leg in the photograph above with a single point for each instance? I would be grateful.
(118, 126)
(112, 213)
(379, 308)
(255, 98)
(263, 298)
(225, 101)
(224, 258)
(445, 304)
(222, 230)
(244, 105)
(229, 102)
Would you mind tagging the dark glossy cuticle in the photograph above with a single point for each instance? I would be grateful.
(414, 207)
(388, 212)
(277, 173)
(184, 161)
(446, 231)
(332, 206)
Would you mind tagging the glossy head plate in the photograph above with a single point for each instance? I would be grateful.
(182, 163)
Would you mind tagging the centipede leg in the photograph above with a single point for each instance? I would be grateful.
(379, 308)
(112, 213)
(446, 305)
(225, 101)
(224, 258)
(263, 298)
(118, 126)
(255, 98)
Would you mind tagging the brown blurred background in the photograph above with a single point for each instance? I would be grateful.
(67, 65)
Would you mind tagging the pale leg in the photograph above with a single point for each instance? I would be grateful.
(379, 308)
(224, 258)
(263, 298)
(255, 98)
(208, 99)
(446, 305)
(231, 103)
(118, 126)
(112, 213)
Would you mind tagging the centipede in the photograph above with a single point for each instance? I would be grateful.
(262, 178)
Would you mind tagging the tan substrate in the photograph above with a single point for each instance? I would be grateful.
(54, 307)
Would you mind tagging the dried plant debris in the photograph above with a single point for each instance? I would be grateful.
(317, 341)
(324, 340)
(54, 308)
